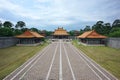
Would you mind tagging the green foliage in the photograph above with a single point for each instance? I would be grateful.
(87, 28)
(20, 24)
(102, 28)
(7, 24)
(81, 31)
(115, 32)
(6, 31)
(17, 32)
(45, 32)
(34, 29)
(0, 24)
(116, 23)
(99, 27)
(49, 33)
(107, 28)
(74, 33)
(24, 29)
(71, 33)
(43, 39)
(93, 27)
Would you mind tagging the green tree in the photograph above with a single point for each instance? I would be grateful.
(17, 32)
(6, 31)
(34, 29)
(99, 27)
(93, 27)
(106, 29)
(0, 23)
(7, 24)
(114, 29)
(49, 33)
(115, 32)
(102, 28)
(87, 28)
(20, 24)
(116, 23)
(24, 29)
(81, 31)
(71, 33)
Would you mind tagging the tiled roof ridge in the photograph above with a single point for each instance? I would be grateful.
(89, 34)
(32, 34)
(60, 31)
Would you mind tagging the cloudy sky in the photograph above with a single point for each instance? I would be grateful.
(49, 14)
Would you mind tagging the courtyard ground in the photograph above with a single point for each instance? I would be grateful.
(107, 57)
(13, 57)
(60, 60)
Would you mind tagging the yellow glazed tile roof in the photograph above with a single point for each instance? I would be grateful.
(29, 34)
(91, 34)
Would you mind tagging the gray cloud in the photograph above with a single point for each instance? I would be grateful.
(60, 12)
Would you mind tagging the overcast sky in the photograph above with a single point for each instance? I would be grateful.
(50, 14)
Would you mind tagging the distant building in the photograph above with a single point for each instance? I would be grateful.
(76, 33)
(60, 33)
(29, 37)
(91, 37)
(43, 32)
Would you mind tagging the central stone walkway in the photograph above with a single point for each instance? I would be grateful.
(60, 61)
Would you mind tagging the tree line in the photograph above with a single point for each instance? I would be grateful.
(107, 29)
(112, 30)
(8, 29)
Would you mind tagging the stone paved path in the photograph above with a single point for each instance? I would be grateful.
(60, 61)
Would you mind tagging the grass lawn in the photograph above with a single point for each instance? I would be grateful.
(13, 57)
(107, 57)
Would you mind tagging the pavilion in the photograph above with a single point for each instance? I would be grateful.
(29, 37)
(92, 37)
(60, 33)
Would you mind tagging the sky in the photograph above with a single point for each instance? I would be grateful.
(50, 14)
